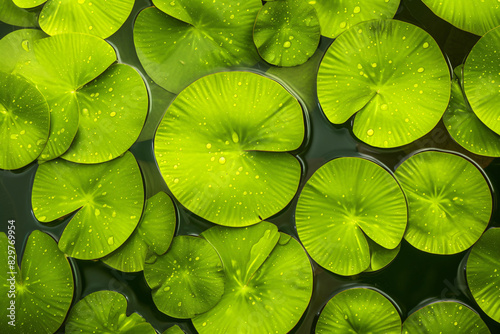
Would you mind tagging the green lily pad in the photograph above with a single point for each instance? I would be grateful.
(449, 201)
(477, 17)
(392, 74)
(359, 310)
(381, 257)
(337, 16)
(268, 281)
(43, 285)
(230, 164)
(465, 127)
(17, 48)
(12, 14)
(188, 279)
(482, 79)
(445, 317)
(24, 122)
(343, 203)
(28, 3)
(108, 198)
(183, 40)
(483, 273)
(151, 238)
(105, 312)
(287, 32)
(174, 330)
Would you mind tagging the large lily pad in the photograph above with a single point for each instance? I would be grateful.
(359, 310)
(182, 40)
(337, 16)
(343, 203)
(477, 17)
(221, 147)
(268, 281)
(445, 317)
(43, 285)
(465, 127)
(286, 32)
(24, 122)
(449, 201)
(483, 273)
(105, 312)
(188, 280)
(108, 198)
(12, 14)
(392, 74)
(482, 79)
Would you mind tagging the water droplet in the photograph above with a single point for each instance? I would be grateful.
(26, 45)
(357, 9)
(180, 304)
(209, 146)
(111, 240)
(112, 114)
(166, 288)
(420, 70)
(235, 137)
(222, 160)
(287, 44)
(97, 212)
(172, 3)
(176, 180)
(90, 27)
(374, 65)
(81, 1)
(383, 106)
(426, 45)
(343, 25)
(370, 132)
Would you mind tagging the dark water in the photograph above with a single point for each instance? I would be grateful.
(413, 277)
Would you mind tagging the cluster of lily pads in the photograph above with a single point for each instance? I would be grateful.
(228, 148)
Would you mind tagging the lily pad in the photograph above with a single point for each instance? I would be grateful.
(337, 16)
(359, 310)
(108, 199)
(17, 48)
(24, 122)
(449, 201)
(222, 147)
(482, 79)
(151, 238)
(445, 317)
(392, 75)
(28, 3)
(105, 312)
(477, 17)
(465, 127)
(188, 280)
(483, 273)
(343, 203)
(287, 32)
(43, 285)
(174, 330)
(182, 40)
(12, 14)
(268, 281)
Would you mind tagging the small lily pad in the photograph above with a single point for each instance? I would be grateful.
(108, 198)
(12, 14)
(337, 16)
(445, 317)
(151, 238)
(392, 75)
(43, 285)
(483, 273)
(188, 280)
(449, 201)
(482, 79)
(24, 122)
(174, 330)
(343, 203)
(182, 40)
(465, 127)
(230, 165)
(268, 281)
(477, 17)
(105, 312)
(286, 32)
(359, 310)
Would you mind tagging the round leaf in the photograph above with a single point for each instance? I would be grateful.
(194, 38)
(449, 202)
(12, 14)
(221, 147)
(359, 310)
(268, 281)
(286, 33)
(108, 198)
(152, 236)
(392, 74)
(24, 122)
(188, 280)
(339, 15)
(477, 17)
(483, 273)
(482, 79)
(445, 317)
(343, 201)
(105, 312)
(43, 286)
